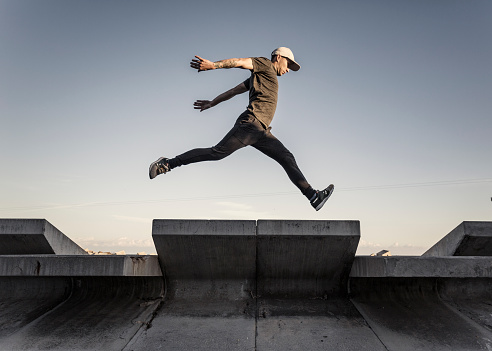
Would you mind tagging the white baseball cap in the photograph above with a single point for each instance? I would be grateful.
(287, 53)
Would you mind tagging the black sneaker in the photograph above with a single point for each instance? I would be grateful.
(321, 197)
(159, 167)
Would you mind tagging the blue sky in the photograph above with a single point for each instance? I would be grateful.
(392, 105)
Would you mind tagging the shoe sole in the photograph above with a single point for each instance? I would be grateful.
(325, 199)
(153, 164)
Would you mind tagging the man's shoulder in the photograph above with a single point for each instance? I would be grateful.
(261, 59)
(261, 63)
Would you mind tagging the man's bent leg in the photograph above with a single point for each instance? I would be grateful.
(244, 133)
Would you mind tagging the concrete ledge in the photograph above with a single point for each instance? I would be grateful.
(467, 239)
(34, 236)
(421, 267)
(79, 266)
(309, 227)
(203, 227)
(305, 258)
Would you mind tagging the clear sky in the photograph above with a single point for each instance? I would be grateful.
(392, 104)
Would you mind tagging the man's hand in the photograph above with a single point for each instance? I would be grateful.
(201, 64)
(202, 105)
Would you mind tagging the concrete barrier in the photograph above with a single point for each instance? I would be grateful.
(34, 236)
(467, 239)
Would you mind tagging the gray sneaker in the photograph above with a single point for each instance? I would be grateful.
(321, 197)
(159, 167)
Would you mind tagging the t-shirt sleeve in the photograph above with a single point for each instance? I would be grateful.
(260, 64)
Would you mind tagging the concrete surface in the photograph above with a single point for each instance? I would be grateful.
(24, 299)
(467, 239)
(471, 297)
(34, 236)
(247, 285)
(409, 314)
(330, 323)
(98, 313)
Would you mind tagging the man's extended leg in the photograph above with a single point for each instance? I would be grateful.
(272, 147)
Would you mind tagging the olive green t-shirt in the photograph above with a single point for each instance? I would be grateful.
(263, 90)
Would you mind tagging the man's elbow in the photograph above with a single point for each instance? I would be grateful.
(241, 88)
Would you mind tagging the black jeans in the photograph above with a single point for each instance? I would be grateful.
(248, 131)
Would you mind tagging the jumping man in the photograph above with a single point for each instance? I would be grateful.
(253, 125)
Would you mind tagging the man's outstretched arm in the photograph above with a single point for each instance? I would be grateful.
(202, 64)
(206, 104)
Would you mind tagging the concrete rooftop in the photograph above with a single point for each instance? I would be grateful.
(244, 285)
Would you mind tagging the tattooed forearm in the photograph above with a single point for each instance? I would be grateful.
(230, 63)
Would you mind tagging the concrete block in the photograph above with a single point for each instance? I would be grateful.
(467, 239)
(205, 261)
(305, 258)
(79, 266)
(34, 236)
(206, 249)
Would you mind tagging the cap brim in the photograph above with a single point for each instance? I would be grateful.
(293, 65)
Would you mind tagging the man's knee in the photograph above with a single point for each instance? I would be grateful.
(287, 159)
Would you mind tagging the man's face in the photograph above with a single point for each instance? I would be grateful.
(282, 66)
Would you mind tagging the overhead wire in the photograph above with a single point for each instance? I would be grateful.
(235, 196)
